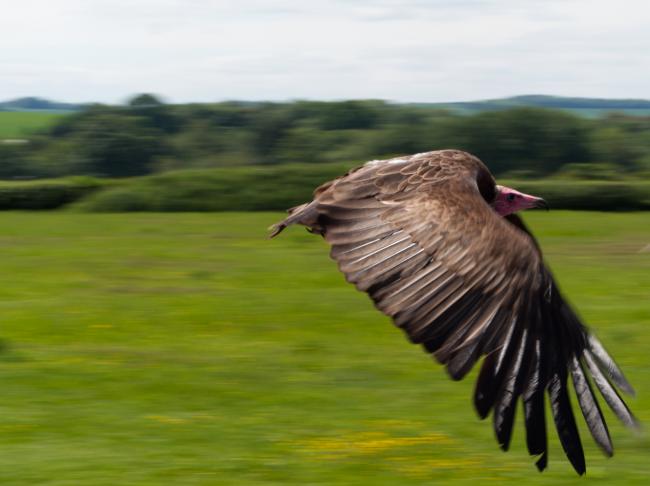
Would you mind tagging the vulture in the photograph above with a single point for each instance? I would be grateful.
(436, 244)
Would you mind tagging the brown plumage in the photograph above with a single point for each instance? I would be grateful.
(419, 234)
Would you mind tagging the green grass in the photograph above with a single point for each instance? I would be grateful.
(16, 124)
(188, 349)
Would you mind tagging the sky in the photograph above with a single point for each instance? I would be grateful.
(406, 51)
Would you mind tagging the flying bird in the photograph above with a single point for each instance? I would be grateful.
(437, 245)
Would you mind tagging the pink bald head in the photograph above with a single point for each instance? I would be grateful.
(510, 201)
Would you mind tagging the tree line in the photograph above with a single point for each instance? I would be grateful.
(147, 136)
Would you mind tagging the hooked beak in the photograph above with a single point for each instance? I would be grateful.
(540, 204)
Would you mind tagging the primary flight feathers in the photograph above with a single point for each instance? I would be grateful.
(430, 238)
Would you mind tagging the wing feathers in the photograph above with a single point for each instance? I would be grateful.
(534, 414)
(504, 410)
(360, 253)
(371, 229)
(399, 292)
(608, 365)
(492, 371)
(365, 277)
(416, 233)
(468, 352)
(435, 335)
(590, 409)
(484, 392)
(564, 419)
(533, 394)
(610, 395)
(376, 257)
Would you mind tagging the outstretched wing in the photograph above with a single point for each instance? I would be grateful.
(417, 235)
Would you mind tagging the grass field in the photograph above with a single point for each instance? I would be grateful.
(16, 124)
(188, 349)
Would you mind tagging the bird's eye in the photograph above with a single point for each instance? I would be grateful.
(510, 197)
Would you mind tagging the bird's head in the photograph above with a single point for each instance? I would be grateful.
(509, 201)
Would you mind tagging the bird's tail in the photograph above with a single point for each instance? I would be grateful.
(305, 214)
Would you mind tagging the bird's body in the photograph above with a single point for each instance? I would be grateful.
(436, 244)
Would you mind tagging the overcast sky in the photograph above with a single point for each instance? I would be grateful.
(408, 50)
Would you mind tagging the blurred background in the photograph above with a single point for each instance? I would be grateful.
(151, 335)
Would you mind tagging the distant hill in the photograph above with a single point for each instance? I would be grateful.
(587, 107)
(37, 104)
(590, 107)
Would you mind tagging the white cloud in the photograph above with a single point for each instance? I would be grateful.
(410, 50)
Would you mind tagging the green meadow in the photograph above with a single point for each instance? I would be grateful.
(187, 349)
(15, 124)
